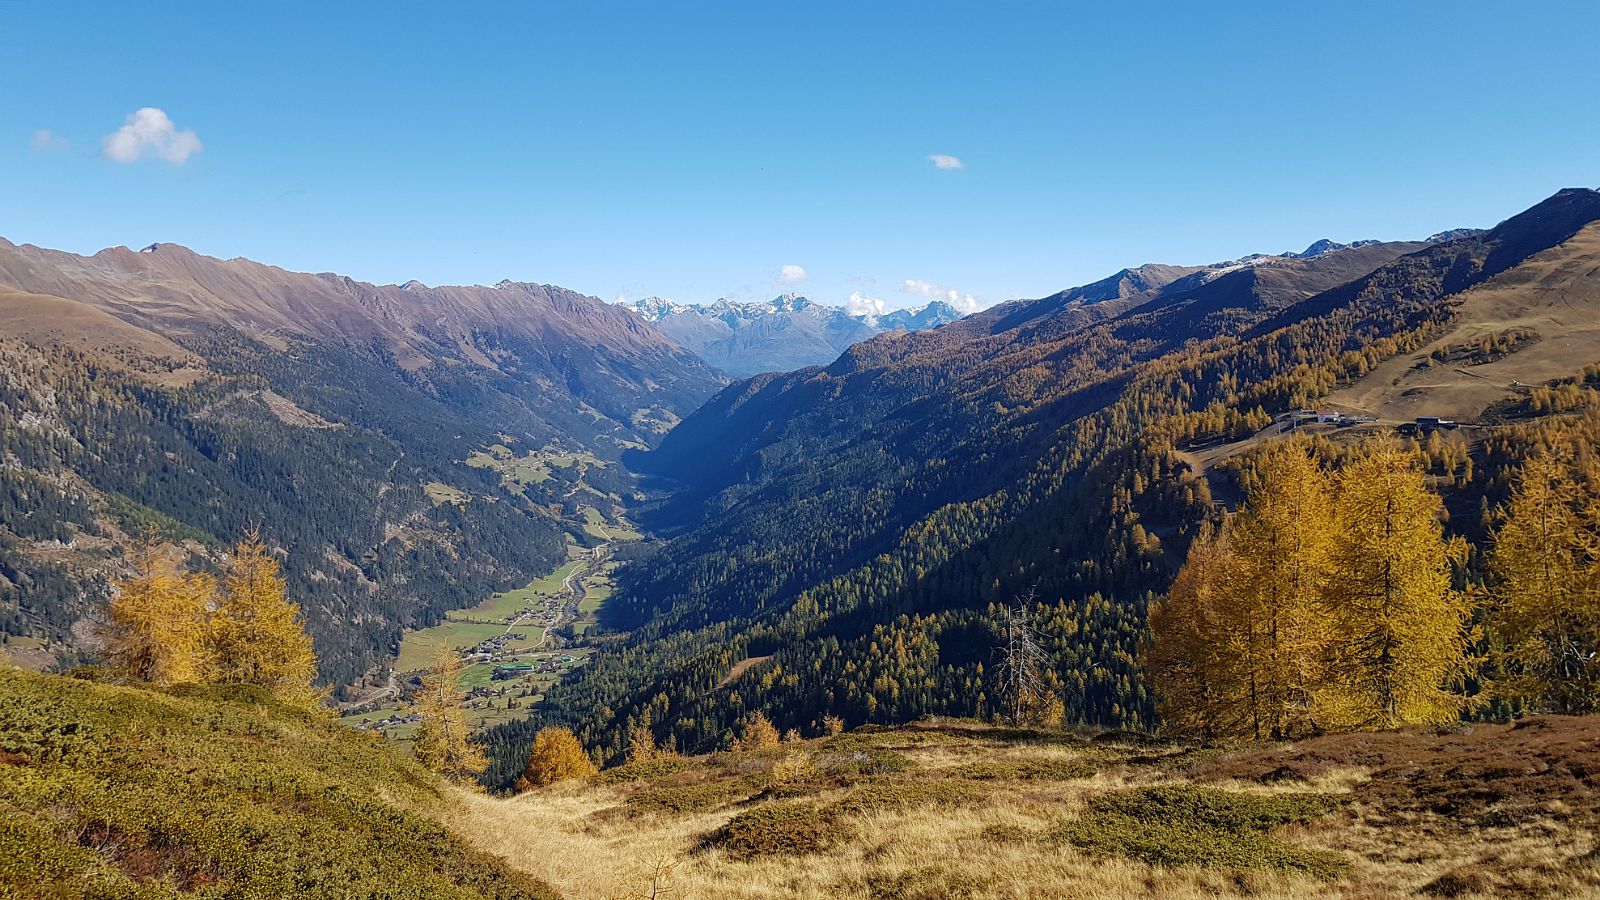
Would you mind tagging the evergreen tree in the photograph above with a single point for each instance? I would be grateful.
(257, 636)
(1399, 636)
(443, 743)
(1547, 590)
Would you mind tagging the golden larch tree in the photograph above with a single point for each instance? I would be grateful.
(1271, 588)
(1399, 635)
(157, 631)
(256, 634)
(759, 734)
(1199, 685)
(556, 756)
(642, 742)
(1546, 587)
(442, 742)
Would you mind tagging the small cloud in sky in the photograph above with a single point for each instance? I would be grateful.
(792, 273)
(45, 140)
(945, 161)
(149, 132)
(861, 304)
(964, 303)
(861, 279)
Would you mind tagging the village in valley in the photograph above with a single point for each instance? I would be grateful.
(516, 643)
(512, 646)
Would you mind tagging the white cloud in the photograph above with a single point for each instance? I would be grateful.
(149, 132)
(861, 304)
(44, 139)
(792, 273)
(964, 303)
(945, 161)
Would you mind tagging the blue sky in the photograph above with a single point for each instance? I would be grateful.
(693, 150)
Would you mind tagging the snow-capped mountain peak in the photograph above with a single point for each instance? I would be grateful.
(787, 332)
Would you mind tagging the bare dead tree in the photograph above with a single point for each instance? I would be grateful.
(1019, 675)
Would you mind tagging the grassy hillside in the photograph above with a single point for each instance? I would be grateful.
(959, 810)
(1546, 315)
(120, 792)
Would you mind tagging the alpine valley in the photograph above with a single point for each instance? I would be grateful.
(787, 599)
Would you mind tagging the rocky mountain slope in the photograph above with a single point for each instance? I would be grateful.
(790, 332)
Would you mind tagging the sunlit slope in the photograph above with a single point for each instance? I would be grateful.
(954, 809)
(1552, 299)
(121, 792)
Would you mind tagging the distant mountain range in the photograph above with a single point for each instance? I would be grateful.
(787, 333)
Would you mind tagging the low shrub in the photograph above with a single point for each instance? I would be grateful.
(38, 731)
(691, 797)
(1179, 825)
(861, 760)
(789, 828)
(900, 794)
(1007, 833)
(926, 883)
(645, 770)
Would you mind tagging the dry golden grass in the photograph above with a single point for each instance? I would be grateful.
(1556, 293)
(45, 320)
(995, 839)
(994, 846)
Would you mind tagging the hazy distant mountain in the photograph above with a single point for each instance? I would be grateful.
(787, 333)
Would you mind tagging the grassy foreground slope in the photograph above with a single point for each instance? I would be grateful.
(960, 810)
(121, 792)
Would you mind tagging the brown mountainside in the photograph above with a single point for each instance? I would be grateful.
(549, 339)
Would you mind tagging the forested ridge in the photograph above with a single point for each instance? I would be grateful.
(861, 524)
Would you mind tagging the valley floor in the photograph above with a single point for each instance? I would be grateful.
(962, 810)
